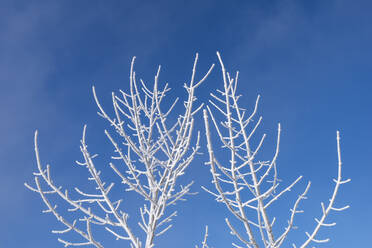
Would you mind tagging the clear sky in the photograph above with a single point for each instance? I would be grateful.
(309, 60)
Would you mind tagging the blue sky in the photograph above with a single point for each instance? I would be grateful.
(310, 61)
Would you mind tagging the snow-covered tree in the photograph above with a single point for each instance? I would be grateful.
(153, 147)
(154, 150)
(243, 174)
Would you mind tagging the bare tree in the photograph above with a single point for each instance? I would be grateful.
(154, 151)
(243, 174)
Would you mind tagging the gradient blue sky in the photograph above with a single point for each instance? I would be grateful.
(310, 61)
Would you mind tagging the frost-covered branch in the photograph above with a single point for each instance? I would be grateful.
(204, 243)
(242, 174)
(152, 150)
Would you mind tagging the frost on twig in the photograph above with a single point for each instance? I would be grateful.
(244, 174)
(152, 152)
(204, 243)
